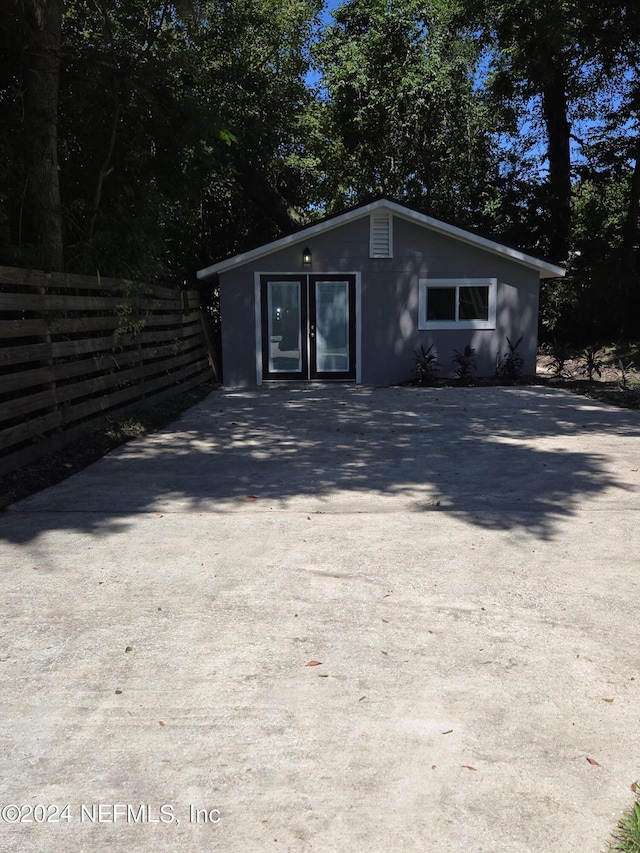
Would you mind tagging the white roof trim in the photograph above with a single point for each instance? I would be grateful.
(546, 269)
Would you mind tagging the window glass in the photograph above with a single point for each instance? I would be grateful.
(441, 303)
(474, 303)
(332, 326)
(283, 300)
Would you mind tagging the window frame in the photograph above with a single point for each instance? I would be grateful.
(424, 284)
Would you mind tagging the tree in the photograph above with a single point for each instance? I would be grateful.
(36, 25)
(177, 130)
(401, 108)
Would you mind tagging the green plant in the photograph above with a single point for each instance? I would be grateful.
(591, 363)
(560, 354)
(465, 361)
(511, 364)
(624, 369)
(426, 365)
(627, 836)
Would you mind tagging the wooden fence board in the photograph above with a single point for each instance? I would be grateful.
(22, 302)
(22, 328)
(23, 380)
(82, 325)
(34, 426)
(24, 354)
(75, 281)
(15, 275)
(57, 442)
(110, 364)
(20, 406)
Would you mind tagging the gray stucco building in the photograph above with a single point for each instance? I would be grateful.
(351, 297)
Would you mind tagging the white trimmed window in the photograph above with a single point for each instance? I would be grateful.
(457, 303)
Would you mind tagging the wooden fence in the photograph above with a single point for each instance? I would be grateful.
(76, 350)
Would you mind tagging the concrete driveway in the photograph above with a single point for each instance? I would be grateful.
(461, 564)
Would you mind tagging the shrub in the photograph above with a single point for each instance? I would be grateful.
(560, 354)
(510, 366)
(591, 363)
(426, 365)
(465, 361)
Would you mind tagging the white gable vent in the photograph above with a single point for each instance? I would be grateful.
(381, 235)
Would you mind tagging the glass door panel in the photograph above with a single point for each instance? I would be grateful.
(284, 326)
(332, 326)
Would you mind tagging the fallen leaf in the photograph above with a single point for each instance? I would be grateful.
(322, 675)
(386, 621)
(129, 649)
(386, 654)
(635, 787)
(469, 767)
(314, 663)
(448, 732)
(361, 698)
(607, 700)
(593, 761)
(160, 723)
(118, 691)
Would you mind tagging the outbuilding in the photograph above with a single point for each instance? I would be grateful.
(351, 297)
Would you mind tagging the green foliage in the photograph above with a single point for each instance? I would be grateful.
(188, 131)
(192, 152)
(591, 363)
(511, 364)
(426, 365)
(401, 105)
(627, 836)
(465, 362)
(560, 354)
(624, 371)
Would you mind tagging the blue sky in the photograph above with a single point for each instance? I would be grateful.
(328, 6)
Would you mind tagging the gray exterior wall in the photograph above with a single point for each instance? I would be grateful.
(389, 317)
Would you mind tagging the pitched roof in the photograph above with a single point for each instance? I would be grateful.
(439, 226)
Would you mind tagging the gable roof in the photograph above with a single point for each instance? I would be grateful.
(438, 226)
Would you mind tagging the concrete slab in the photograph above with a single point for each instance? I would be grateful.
(462, 563)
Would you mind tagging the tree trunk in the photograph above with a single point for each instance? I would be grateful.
(43, 20)
(630, 227)
(554, 107)
(628, 279)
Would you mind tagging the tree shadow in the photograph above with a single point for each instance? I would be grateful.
(500, 458)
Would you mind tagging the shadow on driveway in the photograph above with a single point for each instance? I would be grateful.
(501, 458)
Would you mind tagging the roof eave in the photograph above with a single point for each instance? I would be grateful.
(545, 268)
(288, 240)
